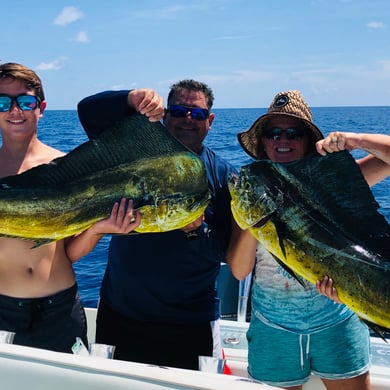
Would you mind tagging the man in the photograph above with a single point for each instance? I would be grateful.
(158, 301)
(39, 299)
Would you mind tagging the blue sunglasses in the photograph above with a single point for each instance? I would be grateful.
(24, 102)
(179, 111)
(291, 133)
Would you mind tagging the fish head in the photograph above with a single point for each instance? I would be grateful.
(253, 200)
(172, 213)
(177, 189)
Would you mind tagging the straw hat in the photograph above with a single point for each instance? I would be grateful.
(288, 103)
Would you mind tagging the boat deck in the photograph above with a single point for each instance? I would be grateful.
(38, 369)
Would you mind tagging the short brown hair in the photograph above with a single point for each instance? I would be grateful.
(23, 74)
(192, 85)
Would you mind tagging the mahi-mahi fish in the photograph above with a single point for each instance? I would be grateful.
(317, 216)
(135, 159)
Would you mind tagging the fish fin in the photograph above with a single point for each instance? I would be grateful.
(378, 330)
(37, 242)
(280, 231)
(278, 227)
(335, 187)
(135, 138)
(263, 220)
(289, 271)
(41, 242)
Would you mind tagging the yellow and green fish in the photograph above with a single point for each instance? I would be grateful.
(318, 217)
(135, 159)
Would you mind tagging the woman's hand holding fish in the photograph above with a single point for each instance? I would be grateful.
(147, 102)
(325, 287)
(335, 142)
(375, 166)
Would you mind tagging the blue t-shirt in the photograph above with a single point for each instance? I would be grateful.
(164, 277)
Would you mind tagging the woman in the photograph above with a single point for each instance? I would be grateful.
(296, 331)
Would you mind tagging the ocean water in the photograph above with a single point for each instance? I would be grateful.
(62, 130)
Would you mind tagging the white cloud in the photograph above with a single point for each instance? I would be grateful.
(81, 37)
(375, 25)
(53, 65)
(117, 87)
(385, 65)
(172, 11)
(68, 15)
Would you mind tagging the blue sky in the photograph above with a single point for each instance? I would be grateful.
(336, 52)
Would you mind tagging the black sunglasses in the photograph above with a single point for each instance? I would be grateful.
(291, 133)
(24, 102)
(179, 111)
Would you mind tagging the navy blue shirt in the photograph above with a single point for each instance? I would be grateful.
(164, 277)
